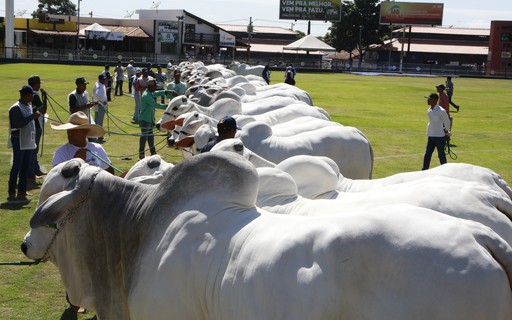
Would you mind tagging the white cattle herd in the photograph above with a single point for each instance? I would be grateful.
(282, 222)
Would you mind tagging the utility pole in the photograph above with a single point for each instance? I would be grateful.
(250, 30)
(180, 36)
(78, 28)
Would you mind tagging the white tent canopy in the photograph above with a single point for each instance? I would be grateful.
(94, 27)
(97, 32)
(309, 43)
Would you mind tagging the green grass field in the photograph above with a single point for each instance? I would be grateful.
(390, 110)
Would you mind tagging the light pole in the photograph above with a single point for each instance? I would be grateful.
(78, 28)
(250, 30)
(180, 35)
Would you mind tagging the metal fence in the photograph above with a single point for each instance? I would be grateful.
(276, 62)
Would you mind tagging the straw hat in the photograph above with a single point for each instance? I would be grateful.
(79, 120)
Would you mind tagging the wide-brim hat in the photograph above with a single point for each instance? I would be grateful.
(77, 121)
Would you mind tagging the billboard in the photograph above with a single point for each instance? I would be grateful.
(411, 13)
(167, 32)
(322, 10)
(226, 39)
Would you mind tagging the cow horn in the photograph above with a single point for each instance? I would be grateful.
(153, 162)
(71, 169)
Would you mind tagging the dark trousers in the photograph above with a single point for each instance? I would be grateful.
(20, 166)
(450, 101)
(433, 143)
(109, 90)
(146, 129)
(130, 83)
(33, 169)
(119, 87)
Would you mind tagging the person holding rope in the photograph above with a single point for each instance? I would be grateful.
(40, 105)
(78, 99)
(437, 131)
(147, 116)
(99, 96)
(78, 129)
(22, 132)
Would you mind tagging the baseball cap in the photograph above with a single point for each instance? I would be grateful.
(26, 90)
(137, 70)
(226, 124)
(151, 81)
(33, 79)
(81, 80)
(432, 96)
(102, 76)
(441, 86)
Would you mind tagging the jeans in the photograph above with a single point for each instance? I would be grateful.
(146, 129)
(432, 143)
(100, 114)
(20, 166)
(119, 87)
(35, 167)
(137, 97)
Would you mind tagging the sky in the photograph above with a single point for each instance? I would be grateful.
(457, 13)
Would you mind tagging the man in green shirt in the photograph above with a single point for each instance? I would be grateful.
(147, 116)
(176, 87)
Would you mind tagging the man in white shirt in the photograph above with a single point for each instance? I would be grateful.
(130, 70)
(78, 130)
(99, 96)
(437, 130)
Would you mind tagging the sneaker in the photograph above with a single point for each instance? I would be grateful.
(40, 173)
(457, 107)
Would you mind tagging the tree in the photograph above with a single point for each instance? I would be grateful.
(61, 7)
(359, 27)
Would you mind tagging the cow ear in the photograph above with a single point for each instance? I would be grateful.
(185, 142)
(52, 210)
(169, 125)
(179, 121)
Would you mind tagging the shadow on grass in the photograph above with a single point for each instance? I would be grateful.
(70, 314)
(17, 204)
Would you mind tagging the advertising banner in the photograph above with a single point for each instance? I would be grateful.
(411, 13)
(226, 39)
(167, 32)
(322, 10)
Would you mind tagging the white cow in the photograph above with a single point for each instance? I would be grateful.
(278, 193)
(245, 69)
(237, 146)
(205, 95)
(283, 115)
(206, 252)
(461, 171)
(347, 146)
(218, 110)
(149, 170)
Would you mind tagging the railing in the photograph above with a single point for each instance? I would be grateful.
(276, 61)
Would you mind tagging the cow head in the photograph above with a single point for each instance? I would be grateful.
(149, 166)
(60, 183)
(237, 146)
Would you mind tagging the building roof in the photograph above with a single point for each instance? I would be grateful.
(396, 45)
(54, 32)
(272, 48)
(257, 29)
(448, 31)
(134, 32)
